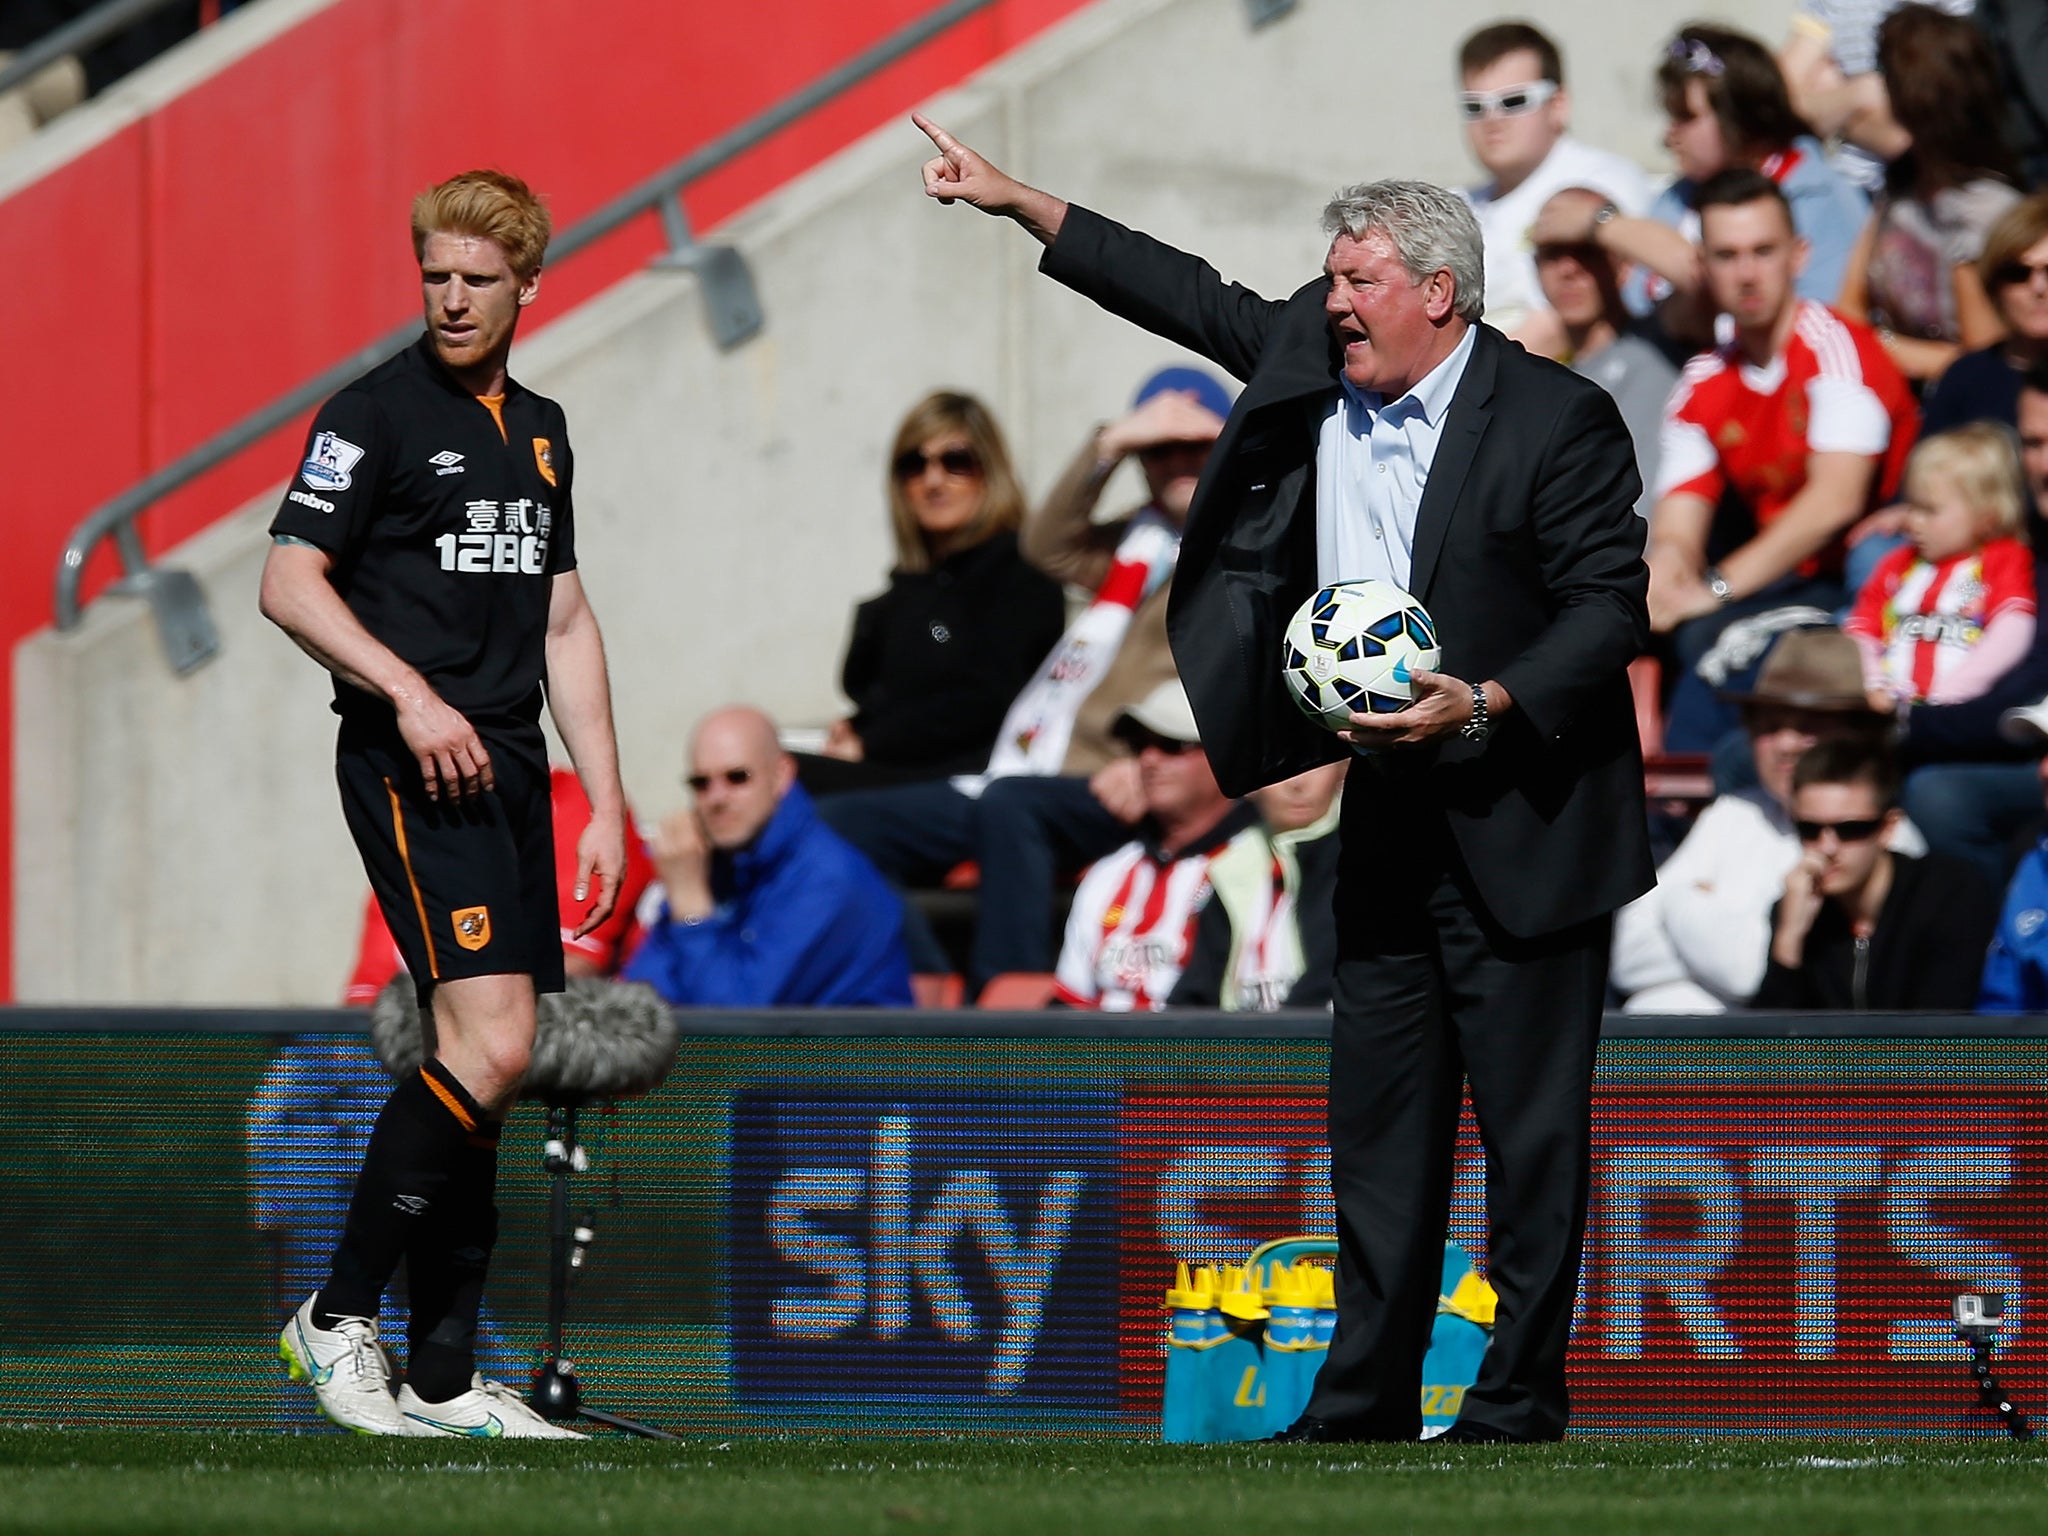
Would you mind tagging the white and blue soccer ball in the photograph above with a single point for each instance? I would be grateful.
(1354, 647)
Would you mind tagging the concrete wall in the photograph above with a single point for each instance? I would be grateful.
(179, 841)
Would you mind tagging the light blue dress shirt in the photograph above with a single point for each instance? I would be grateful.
(1372, 465)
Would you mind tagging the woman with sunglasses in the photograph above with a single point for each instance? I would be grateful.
(1984, 385)
(1914, 273)
(936, 658)
(1726, 106)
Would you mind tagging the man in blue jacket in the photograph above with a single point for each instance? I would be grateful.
(761, 905)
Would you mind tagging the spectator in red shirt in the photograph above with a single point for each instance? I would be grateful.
(598, 953)
(1773, 446)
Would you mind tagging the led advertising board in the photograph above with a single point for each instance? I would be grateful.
(915, 1228)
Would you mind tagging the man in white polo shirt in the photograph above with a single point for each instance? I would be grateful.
(1516, 113)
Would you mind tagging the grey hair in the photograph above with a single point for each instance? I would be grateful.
(1431, 230)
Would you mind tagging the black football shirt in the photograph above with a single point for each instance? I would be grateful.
(446, 523)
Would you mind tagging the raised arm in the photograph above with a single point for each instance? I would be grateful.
(956, 174)
(1060, 536)
(1147, 282)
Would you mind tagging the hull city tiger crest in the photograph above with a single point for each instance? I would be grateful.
(472, 927)
(544, 458)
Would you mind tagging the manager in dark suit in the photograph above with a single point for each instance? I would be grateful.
(1495, 824)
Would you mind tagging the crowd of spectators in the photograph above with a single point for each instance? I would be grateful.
(1828, 335)
(1844, 534)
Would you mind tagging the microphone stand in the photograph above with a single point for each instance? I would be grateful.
(557, 1392)
(1989, 1393)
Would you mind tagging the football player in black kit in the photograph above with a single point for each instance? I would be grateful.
(426, 556)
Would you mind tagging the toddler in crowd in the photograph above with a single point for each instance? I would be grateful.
(1945, 615)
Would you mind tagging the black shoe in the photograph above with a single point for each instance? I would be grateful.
(1313, 1431)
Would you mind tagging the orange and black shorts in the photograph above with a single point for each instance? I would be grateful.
(467, 888)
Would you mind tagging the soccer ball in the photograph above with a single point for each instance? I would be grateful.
(1352, 647)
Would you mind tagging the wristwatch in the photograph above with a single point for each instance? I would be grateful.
(1480, 726)
(1606, 213)
(1718, 585)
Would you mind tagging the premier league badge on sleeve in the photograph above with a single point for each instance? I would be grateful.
(328, 463)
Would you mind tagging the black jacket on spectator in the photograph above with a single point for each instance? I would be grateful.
(1968, 732)
(1978, 386)
(936, 660)
(1927, 951)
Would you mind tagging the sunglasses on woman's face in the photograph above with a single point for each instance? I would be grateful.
(957, 462)
(2007, 273)
(1845, 831)
(734, 778)
(1515, 101)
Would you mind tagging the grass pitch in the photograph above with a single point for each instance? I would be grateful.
(76, 1481)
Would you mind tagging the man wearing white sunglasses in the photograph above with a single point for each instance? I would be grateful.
(1516, 110)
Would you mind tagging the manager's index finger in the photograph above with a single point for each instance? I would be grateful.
(944, 140)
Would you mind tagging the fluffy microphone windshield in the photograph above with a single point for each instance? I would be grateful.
(598, 1040)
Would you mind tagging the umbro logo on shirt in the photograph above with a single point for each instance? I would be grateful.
(448, 462)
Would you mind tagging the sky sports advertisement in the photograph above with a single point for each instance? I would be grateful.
(914, 1231)
(1779, 1229)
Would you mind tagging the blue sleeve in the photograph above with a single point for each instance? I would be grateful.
(805, 940)
(1829, 212)
(720, 962)
(2013, 979)
(2000, 990)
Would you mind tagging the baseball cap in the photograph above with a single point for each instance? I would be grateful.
(1164, 711)
(1207, 389)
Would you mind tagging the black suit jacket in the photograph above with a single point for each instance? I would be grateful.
(1528, 554)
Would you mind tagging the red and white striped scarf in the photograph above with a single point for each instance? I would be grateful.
(1040, 723)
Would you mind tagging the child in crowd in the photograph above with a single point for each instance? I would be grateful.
(1947, 614)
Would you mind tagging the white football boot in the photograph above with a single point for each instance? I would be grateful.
(348, 1372)
(489, 1410)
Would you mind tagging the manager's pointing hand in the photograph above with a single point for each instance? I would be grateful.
(958, 174)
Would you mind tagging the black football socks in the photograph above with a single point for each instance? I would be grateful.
(445, 1268)
(419, 1142)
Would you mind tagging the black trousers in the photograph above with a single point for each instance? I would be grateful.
(1430, 993)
